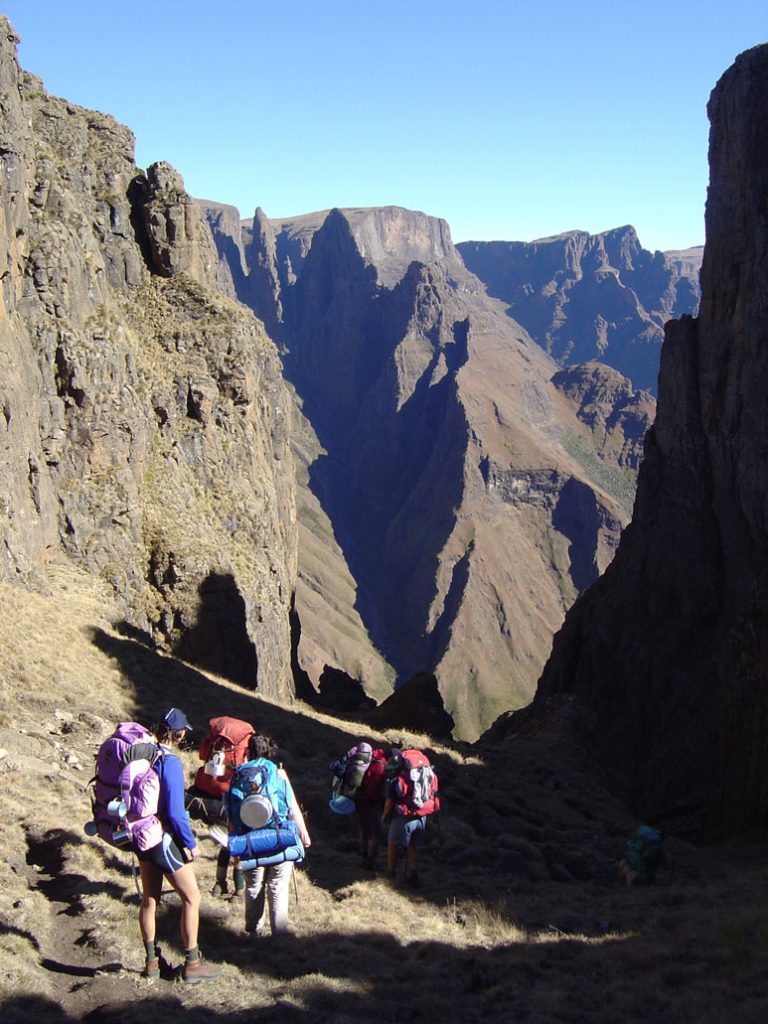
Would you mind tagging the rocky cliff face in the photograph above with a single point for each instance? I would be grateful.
(145, 420)
(591, 297)
(670, 647)
(464, 490)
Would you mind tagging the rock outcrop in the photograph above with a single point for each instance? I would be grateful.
(670, 648)
(463, 490)
(617, 415)
(145, 419)
(589, 297)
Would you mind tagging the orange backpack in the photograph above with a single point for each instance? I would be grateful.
(223, 749)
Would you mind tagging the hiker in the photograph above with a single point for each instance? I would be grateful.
(173, 856)
(267, 888)
(222, 749)
(369, 808)
(411, 796)
(644, 856)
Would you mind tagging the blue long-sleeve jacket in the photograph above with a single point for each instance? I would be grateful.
(171, 809)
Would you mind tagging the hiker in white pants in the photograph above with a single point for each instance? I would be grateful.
(269, 888)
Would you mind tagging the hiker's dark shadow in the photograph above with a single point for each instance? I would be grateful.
(373, 974)
(23, 1009)
(54, 880)
(76, 971)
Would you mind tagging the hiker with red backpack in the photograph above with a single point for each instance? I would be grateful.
(359, 778)
(172, 855)
(410, 799)
(369, 807)
(223, 749)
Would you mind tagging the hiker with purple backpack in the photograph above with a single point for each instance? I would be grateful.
(172, 858)
(143, 807)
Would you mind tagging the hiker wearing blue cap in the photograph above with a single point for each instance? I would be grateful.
(173, 856)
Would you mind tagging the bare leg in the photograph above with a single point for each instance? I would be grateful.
(151, 887)
(185, 884)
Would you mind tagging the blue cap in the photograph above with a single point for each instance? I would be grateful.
(176, 720)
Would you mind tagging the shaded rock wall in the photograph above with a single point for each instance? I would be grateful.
(670, 647)
(145, 420)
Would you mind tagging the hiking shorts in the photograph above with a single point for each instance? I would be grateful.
(166, 855)
(404, 831)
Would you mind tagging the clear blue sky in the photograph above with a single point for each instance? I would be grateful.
(510, 120)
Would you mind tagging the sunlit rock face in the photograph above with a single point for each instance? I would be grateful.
(145, 418)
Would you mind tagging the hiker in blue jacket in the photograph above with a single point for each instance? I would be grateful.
(172, 857)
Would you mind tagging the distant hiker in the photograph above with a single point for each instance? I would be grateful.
(223, 749)
(274, 813)
(172, 856)
(358, 787)
(411, 797)
(644, 856)
(369, 808)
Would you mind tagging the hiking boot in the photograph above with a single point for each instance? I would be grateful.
(220, 889)
(151, 969)
(198, 970)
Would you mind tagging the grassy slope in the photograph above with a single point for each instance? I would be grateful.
(521, 917)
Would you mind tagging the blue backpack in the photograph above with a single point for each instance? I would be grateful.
(260, 832)
(256, 797)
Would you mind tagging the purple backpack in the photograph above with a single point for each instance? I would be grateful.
(125, 796)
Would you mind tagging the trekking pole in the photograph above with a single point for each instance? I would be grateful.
(295, 887)
(135, 875)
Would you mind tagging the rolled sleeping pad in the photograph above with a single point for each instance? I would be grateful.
(262, 841)
(295, 853)
(341, 804)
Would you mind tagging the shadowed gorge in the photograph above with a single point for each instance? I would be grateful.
(423, 396)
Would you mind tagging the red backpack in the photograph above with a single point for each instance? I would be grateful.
(375, 777)
(223, 749)
(415, 786)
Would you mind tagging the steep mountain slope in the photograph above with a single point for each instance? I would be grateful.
(145, 419)
(670, 648)
(584, 297)
(465, 492)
